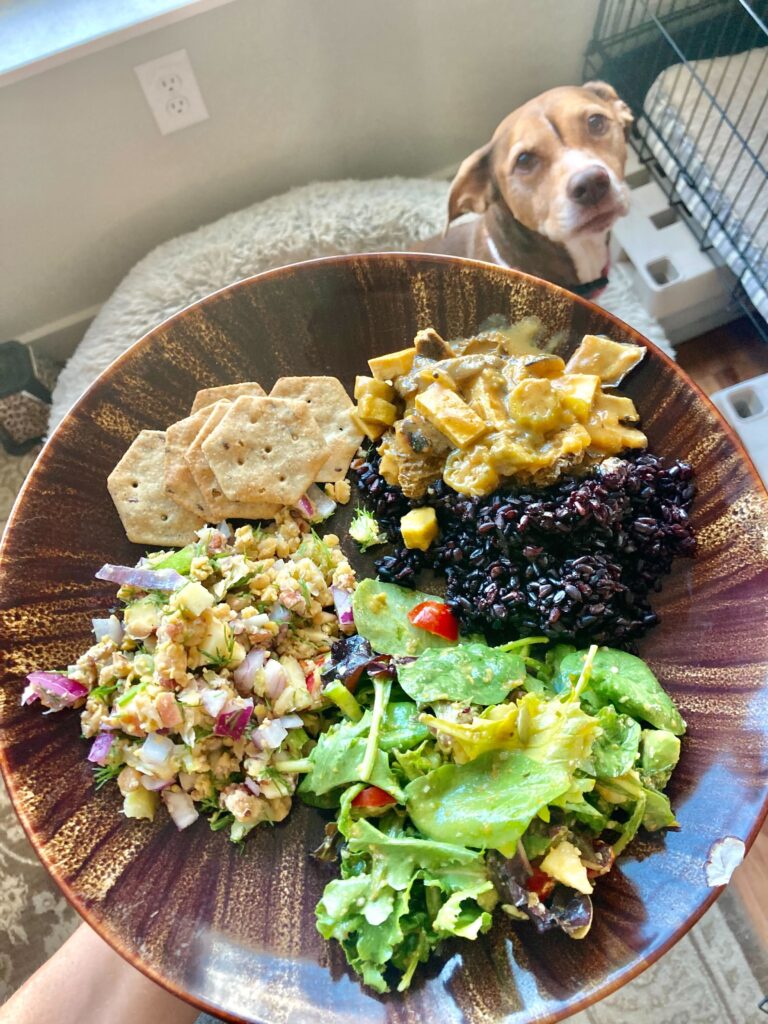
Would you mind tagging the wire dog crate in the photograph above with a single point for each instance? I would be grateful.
(695, 73)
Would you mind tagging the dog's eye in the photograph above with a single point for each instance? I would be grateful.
(597, 124)
(526, 162)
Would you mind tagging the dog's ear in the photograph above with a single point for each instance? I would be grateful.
(472, 188)
(608, 93)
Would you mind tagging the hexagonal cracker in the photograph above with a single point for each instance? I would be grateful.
(147, 511)
(209, 396)
(217, 505)
(331, 406)
(268, 449)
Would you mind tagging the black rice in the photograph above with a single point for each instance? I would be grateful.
(576, 561)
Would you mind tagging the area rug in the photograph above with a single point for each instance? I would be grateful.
(710, 977)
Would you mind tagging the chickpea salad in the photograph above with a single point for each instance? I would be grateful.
(210, 681)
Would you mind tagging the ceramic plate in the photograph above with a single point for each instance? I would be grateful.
(234, 932)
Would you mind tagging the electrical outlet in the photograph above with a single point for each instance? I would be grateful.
(172, 92)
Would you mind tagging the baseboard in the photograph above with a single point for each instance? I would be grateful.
(59, 339)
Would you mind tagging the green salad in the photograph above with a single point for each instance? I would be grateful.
(467, 778)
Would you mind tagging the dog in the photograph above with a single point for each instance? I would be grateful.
(548, 186)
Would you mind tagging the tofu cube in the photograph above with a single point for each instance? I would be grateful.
(419, 528)
(376, 388)
(451, 415)
(372, 431)
(577, 392)
(377, 410)
(392, 365)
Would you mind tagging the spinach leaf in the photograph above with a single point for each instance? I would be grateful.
(615, 751)
(626, 682)
(381, 616)
(485, 803)
(472, 672)
(401, 728)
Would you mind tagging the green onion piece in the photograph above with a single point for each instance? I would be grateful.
(300, 764)
(346, 702)
(129, 694)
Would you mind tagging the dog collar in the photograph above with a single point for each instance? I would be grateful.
(590, 289)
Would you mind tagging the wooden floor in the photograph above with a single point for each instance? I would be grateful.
(716, 360)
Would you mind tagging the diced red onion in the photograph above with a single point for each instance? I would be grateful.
(233, 719)
(270, 733)
(275, 679)
(186, 781)
(279, 613)
(29, 695)
(245, 672)
(156, 750)
(101, 747)
(225, 529)
(324, 506)
(251, 784)
(111, 627)
(54, 690)
(153, 784)
(180, 807)
(290, 722)
(342, 600)
(305, 506)
(145, 579)
(213, 701)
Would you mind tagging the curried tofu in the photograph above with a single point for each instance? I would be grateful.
(450, 415)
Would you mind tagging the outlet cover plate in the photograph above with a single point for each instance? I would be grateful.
(172, 92)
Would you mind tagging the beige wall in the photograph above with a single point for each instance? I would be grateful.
(297, 90)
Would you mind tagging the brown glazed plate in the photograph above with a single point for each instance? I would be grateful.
(234, 932)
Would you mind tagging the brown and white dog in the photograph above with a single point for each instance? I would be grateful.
(549, 186)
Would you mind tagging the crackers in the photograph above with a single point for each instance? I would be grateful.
(332, 407)
(148, 512)
(271, 448)
(239, 454)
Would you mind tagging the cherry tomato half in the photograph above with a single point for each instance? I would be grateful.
(435, 617)
(372, 796)
(540, 883)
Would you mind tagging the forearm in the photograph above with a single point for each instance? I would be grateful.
(86, 982)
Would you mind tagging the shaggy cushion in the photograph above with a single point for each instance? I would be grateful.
(322, 219)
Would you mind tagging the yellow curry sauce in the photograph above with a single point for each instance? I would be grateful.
(495, 408)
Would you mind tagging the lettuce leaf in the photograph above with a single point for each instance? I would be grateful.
(337, 759)
(398, 897)
(494, 729)
(616, 750)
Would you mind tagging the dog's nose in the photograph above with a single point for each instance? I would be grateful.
(588, 186)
